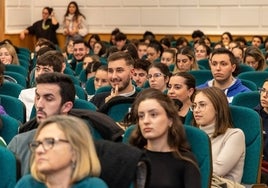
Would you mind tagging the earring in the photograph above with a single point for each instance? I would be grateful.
(73, 164)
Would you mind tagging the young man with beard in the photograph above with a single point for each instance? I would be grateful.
(224, 65)
(120, 70)
(81, 49)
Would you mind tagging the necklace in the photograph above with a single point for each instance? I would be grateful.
(44, 26)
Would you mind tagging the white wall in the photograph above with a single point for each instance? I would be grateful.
(159, 16)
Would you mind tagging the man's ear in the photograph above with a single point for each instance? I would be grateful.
(66, 107)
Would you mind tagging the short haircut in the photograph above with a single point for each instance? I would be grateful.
(120, 36)
(142, 64)
(121, 55)
(51, 58)
(80, 41)
(67, 89)
(231, 56)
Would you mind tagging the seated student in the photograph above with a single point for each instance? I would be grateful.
(224, 66)
(254, 58)
(139, 75)
(185, 60)
(154, 51)
(212, 114)
(120, 68)
(262, 110)
(161, 134)
(63, 155)
(50, 61)
(8, 54)
(158, 76)
(168, 57)
(202, 51)
(91, 68)
(101, 77)
(181, 86)
(257, 41)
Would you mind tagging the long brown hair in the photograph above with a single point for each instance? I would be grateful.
(176, 133)
(221, 106)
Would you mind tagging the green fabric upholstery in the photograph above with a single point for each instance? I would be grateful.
(201, 76)
(8, 175)
(17, 68)
(11, 89)
(80, 92)
(14, 107)
(257, 77)
(204, 63)
(249, 84)
(89, 86)
(247, 99)
(250, 123)
(22, 80)
(117, 107)
(10, 127)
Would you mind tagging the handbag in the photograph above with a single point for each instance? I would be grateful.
(220, 182)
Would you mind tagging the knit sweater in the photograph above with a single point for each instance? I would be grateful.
(228, 152)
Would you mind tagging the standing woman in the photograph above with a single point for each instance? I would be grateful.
(212, 114)
(74, 22)
(181, 86)
(161, 134)
(63, 155)
(45, 28)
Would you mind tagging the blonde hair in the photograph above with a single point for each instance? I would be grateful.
(12, 51)
(78, 135)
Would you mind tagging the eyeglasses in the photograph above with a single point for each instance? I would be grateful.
(263, 91)
(155, 75)
(200, 106)
(47, 143)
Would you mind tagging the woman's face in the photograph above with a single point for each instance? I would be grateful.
(101, 79)
(157, 79)
(70, 47)
(97, 48)
(203, 110)
(142, 50)
(153, 121)
(200, 52)
(177, 89)
(53, 157)
(252, 62)
(152, 54)
(167, 58)
(72, 8)
(225, 39)
(86, 61)
(5, 56)
(45, 14)
(92, 42)
(264, 96)
(184, 64)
